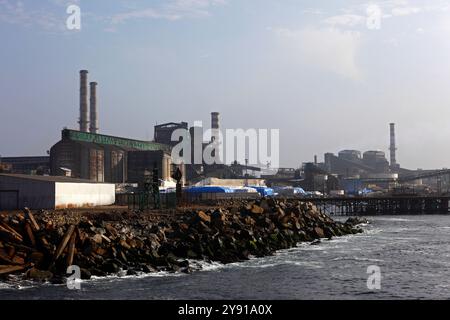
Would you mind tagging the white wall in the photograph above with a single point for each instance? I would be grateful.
(71, 195)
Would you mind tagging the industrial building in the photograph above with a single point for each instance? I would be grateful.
(25, 165)
(197, 169)
(350, 163)
(141, 161)
(86, 154)
(48, 192)
(103, 158)
(163, 132)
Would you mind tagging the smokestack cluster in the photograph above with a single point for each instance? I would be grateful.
(393, 148)
(88, 114)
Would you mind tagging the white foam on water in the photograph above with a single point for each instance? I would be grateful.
(138, 275)
(398, 219)
(306, 264)
(354, 258)
(4, 285)
(206, 265)
(258, 266)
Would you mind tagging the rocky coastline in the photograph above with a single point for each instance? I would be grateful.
(41, 245)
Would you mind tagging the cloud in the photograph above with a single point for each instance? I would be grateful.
(171, 10)
(52, 16)
(328, 49)
(145, 13)
(357, 15)
(404, 11)
(15, 12)
(347, 20)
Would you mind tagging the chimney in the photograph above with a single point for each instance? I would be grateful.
(84, 122)
(215, 135)
(214, 125)
(392, 148)
(93, 108)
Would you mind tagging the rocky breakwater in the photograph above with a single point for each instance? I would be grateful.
(42, 245)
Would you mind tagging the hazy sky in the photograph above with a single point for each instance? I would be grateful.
(313, 69)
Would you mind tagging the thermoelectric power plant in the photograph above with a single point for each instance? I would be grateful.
(86, 154)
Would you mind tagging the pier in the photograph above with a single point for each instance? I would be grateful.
(392, 205)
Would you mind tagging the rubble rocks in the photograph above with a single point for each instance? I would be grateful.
(42, 245)
(354, 221)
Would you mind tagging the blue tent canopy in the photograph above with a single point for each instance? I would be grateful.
(209, 189)
(263, 191)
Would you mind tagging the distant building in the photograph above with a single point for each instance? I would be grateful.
(141, 161)
(349, 163)
(351, 155)
(163, 132)
(26, 165)
(376, 160)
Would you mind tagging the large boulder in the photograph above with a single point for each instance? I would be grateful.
(319, 232)
(201, 216)
(256, 210)
(39, 275)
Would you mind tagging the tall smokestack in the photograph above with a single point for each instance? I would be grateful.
(93, 108)
(215, 125)
(215, 135)
(84, 122)
(392, 148)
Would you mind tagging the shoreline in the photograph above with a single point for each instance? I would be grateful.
(39, 246)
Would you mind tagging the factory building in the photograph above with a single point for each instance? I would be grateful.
(163, 132)
(140, 162)
(351, 155)
(86, 154)
(377, 160)
(25, 165)
(48, 192)
(103, 158)
(349, 163)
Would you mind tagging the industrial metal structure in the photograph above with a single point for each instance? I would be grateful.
(390, 205)
(141, 161)
(163, 132)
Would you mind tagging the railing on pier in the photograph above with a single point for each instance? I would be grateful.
(383, 205)
(393, 205)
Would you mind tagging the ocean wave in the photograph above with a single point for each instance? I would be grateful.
(206, 265)
(354, 258)
(397, 219)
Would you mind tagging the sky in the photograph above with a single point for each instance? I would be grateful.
(331, 75)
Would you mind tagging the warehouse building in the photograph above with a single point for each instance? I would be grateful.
(103, 158)
(49, 192)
